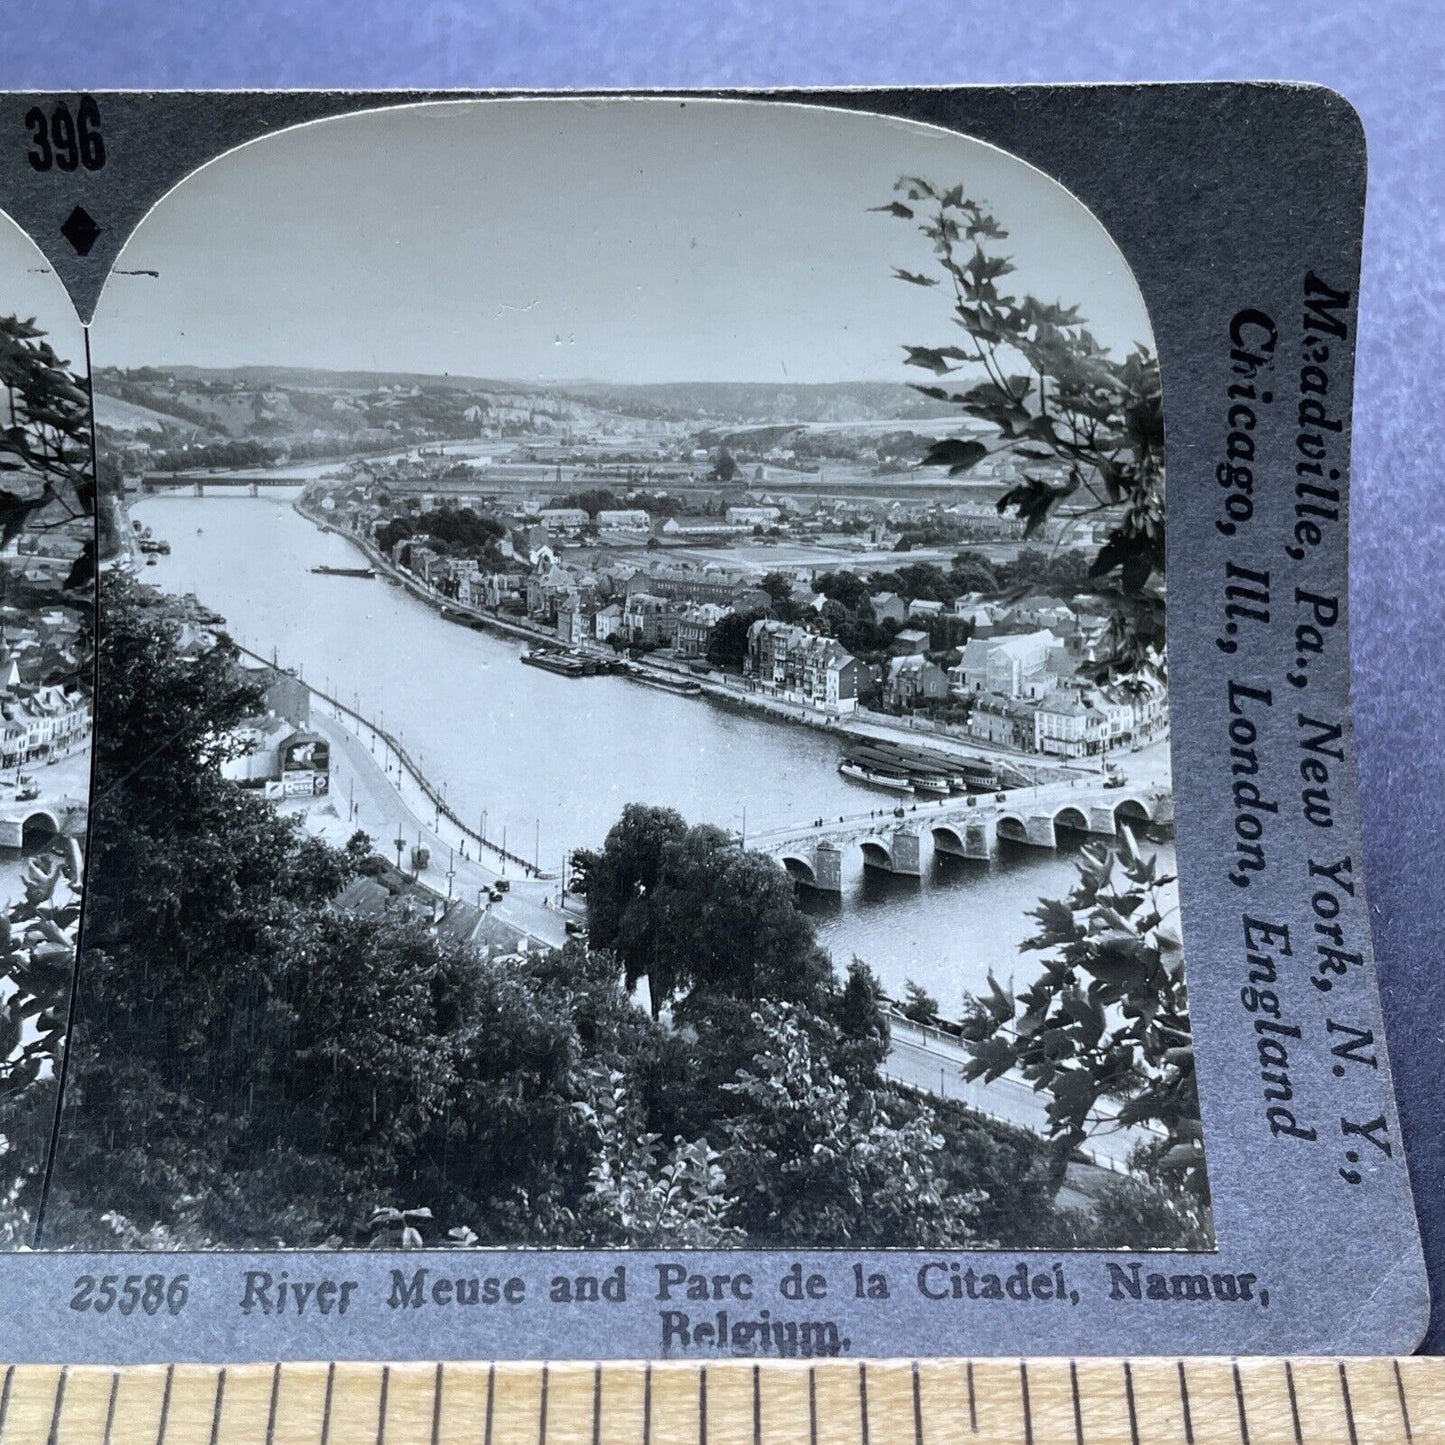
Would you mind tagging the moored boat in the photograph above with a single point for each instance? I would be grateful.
(930, 783)
(681, 686)
(325, 571)
(556, 662)
(893, 782)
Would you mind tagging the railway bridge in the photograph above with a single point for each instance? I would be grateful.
(197, 482)
(891, 838)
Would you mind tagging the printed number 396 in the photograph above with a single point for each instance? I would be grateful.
(150, 1292)
(65, 141)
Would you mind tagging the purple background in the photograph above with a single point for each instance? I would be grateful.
(1386, 57)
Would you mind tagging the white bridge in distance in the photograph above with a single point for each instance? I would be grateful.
(890, 837)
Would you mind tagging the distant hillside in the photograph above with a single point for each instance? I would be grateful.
(313, 378)
(750, 402)
(120, 415)
(767, 402)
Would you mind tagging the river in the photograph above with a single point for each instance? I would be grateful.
(553, 760)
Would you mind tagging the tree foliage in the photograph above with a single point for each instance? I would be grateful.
(38, 938)
(1104, 1029)
(1086, 427)
(46, 430)
(255, 1065)
(649, 1200)
(664, 898)
(812, 1159)
(728, 645)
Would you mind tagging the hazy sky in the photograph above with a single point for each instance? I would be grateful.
(30, 289)
(612, 240)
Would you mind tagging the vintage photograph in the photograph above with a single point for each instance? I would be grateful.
(632, 703)
(47, 661)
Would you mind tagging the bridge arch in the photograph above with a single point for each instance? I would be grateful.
(1071, 819)
(876, 853)
(1133, 811)
(799, 866)
(39, 828)
(948, 839)
(1012, 828)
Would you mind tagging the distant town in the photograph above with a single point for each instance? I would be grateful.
(806, 561)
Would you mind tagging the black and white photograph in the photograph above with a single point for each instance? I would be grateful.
(47, 608)
(631, 701)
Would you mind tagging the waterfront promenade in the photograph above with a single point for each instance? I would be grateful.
(372, 790)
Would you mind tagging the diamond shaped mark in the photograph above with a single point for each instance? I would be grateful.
(81, 230)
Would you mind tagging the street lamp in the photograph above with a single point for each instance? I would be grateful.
(400, 844)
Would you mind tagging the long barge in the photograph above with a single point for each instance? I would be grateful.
(556, 662)
(679, 686)
(325, 571)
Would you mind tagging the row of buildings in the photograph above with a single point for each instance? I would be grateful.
(45, 705)
(1020, 680)
(657, 606)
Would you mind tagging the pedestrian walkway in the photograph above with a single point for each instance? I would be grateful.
(371, 792)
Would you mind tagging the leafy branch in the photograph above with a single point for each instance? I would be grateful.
(1087, 427)
(1104, 1029)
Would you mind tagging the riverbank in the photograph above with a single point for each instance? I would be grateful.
(719, 689)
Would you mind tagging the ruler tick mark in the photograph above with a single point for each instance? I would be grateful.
(491, 1400)
(1133, 1409)
(597, 1404)
(381, 1409)
(326, 1406)
(1349, 1405)
(1239, 1404)
(1404, 1408)
(110, 1407)
(1078, 1406)
(647, 1405)
(972, 1402)
(863, 1402)
(917, 1408)
(53, 1437)
(275, 1398)
(1299, 1438)
(436, 1407)
(165, 1404)
(757, 1406)
(1184, 1404)
(216, 1406)
(702, 1405)
(542, 1408)
(812, 1405)
(5, 1397)
(1028, 1408)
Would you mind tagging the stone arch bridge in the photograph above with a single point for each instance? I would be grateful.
(24, 825)
(891, 839)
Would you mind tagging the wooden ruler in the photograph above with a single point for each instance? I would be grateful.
(1195, 1401)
